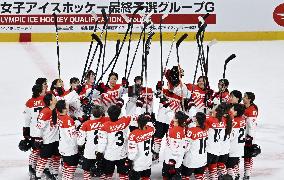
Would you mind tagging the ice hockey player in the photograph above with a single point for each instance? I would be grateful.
(235, 97)
(199, 92)
(250, 114)
(88, 136)
(43, 83)
(175, 147)
(223, 91)
(57, 89)
(32, 109)
(113, 95)
(139, 95)
(112, 143)
(68, 147)
(195, 158)
(47, 137)
(169, 104)
(237, 140)
(220, 126)
(140, 148)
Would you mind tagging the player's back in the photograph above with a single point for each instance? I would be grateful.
(196, 155)
(139, 148)
(33, 107)
(238, 137)
(113, 138)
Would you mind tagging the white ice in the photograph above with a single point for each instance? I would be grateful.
(257, 68)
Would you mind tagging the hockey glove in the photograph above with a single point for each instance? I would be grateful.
(38, 143)
(188, 103)
(119, 102)
(26, 132)
(25, 145)
(124, 82)
(101, 88)
(140, 102)
(164, 101)
(159, 86)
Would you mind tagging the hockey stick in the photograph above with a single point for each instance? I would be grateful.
(161, 43)
(136, 50)
(105, 28)
(57, 44)
(226, 62)
(90, 49)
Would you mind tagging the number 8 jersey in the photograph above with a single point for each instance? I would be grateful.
(113, 139)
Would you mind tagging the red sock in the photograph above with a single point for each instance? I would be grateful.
(40, 166)
(87, 175)
(213, 171)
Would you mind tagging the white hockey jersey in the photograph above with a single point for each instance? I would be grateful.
(196, 154)
(139, 147)
(46, 128)
(216, 135)
(113, 139)
(176, 145)
(238, 137)
(32, 109)
(67, 136)
(88, 134)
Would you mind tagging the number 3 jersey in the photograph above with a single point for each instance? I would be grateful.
(196, 155)
(139, 147)
(113, 139)
(88, 134)
(32, 109)
(238, 137)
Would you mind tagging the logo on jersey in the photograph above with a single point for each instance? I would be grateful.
(278, 15)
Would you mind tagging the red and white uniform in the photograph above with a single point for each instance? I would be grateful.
(251, 114)
(86, 92)
(165, 114)
(196, 154)
(139, 147)
(46, 128)
(216, 97)
(72, 100)
(238, 137)
(32, 109)
(110, 97)
(176, 145)
(88, 134)
(216, 135)
(67, 136)
(131, 104)
(113, 139)
(198, 97)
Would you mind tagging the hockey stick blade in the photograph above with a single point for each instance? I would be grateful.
(230, 58)
(182, 38)
(213, 42)
(96, 37)
(139, 8)
(95, 16)
(164, 16)
(126, 19)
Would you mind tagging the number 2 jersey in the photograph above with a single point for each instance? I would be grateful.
(251, 114)
(238, 137)
(196, 155)
(113, 139)
(88, 134)
(32, 109)
(139, 147)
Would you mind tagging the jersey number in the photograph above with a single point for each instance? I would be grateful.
(120, 138)
(217, 135)
(241, 138)
(147, 147)
(38, 109)
(96, 137)
(202, 145)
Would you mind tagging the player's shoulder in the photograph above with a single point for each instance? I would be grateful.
(177, 132)
(66, 121)
(251, 111)
(35, 102)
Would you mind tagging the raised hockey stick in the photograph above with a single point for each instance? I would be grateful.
(226, 62)
(57, 44)
(161, 43)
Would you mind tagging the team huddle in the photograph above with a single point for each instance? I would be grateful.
(206, 132)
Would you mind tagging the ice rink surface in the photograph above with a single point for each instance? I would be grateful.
(258, 68)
